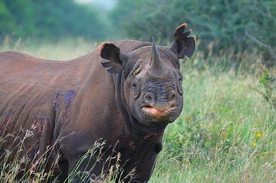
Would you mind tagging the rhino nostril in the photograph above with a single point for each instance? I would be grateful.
(172, 96)
(149, 98)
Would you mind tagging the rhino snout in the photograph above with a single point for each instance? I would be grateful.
(159, 104)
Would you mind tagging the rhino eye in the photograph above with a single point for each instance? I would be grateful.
(179, 86)
(136, 88)
(179, 80)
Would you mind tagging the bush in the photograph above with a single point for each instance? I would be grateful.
(50, 20)
(221, 25)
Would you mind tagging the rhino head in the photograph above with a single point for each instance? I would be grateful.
(152, 82)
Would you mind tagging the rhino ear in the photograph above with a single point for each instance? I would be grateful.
(116, 59)
(182, 44)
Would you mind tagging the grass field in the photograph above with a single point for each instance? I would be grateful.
(226, 132)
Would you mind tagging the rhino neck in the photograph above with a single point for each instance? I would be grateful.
(132, 127)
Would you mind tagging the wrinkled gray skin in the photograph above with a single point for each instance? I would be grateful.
(125, 98)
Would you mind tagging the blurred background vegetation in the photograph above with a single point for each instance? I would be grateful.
(242, 25)
(51, 19)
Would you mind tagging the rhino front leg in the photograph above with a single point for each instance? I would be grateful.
(88, 168)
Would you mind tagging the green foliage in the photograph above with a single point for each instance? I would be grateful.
(268, 83)
(143, 19)
(220, 25)
(50, 20)
(239, 25)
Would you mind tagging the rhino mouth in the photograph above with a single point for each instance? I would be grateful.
(158, 112)
(159, 115)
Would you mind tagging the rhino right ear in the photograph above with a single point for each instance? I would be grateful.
(182, 44)
(116, 59)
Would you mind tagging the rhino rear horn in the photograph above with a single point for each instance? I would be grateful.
(182, 44)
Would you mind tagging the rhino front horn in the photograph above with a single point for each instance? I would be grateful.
(157, 67)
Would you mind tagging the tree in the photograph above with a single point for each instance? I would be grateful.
(50, 19)
(223, 23)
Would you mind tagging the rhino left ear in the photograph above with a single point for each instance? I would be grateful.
(116, 59)
(182, 44)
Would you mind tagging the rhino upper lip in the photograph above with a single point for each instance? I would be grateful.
(158, 112)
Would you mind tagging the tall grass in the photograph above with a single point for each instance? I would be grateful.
(63, 50)
(226, 132)
(16, 167)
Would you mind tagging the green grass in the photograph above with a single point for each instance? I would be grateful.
(226, 132)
